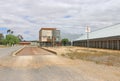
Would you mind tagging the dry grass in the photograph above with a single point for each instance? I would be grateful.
(98, 56)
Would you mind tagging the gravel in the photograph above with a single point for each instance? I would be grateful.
(49, 67)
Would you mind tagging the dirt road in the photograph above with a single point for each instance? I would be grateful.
(35, 64)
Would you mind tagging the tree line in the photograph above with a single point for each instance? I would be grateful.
(10, 39)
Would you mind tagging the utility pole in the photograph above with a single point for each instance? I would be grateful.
(53, 40)
(88, 39)
(71, 43)
(87, 31)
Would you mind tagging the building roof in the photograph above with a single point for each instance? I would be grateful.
(48, 28)
(109, 31)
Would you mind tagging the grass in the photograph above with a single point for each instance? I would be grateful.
(99, 57)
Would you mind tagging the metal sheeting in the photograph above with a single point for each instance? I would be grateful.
(110, 31)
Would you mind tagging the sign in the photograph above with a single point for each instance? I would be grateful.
(88, 29)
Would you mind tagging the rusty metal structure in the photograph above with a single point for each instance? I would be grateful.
(105, 38)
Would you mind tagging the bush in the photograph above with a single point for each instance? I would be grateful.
(65, 41)
(10, 40)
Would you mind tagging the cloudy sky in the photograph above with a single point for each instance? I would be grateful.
(26, 17)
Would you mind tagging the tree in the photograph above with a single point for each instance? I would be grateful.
(4, 41)
(10, 40)
(10, 31)
(65, 41)
(20, 37)
(1, 38)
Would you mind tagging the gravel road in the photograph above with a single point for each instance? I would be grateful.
(35, 64)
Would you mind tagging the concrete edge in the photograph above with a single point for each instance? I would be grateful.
(50, 51)
(14, 53)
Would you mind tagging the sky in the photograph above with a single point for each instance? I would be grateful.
(27, 17)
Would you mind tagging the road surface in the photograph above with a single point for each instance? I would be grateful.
(36, 64)
(7, 51)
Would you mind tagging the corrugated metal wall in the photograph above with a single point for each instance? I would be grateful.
(105, 43)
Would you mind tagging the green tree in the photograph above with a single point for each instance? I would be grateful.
(10, 40)
(1, 38)
(4, 41)
(65, 41)
(10, 31)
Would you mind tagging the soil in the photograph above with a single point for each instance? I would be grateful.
(36, 64)
(99, 56)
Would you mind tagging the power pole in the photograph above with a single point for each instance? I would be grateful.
(87, 31)
(87, 39)
(53, 41)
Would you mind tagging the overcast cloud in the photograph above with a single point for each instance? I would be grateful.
(26, 17)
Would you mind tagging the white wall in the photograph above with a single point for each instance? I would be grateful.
(46, 34)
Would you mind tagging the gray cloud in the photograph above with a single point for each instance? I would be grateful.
(70, 16)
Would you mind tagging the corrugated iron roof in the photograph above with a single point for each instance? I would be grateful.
(110, 31)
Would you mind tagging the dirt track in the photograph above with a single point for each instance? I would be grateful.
(35, 64)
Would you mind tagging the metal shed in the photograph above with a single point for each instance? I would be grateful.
(107, 38)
